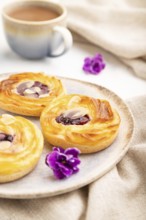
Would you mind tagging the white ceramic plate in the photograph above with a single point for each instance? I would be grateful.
(41, 183)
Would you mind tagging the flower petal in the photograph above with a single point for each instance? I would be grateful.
(61, 157)
(51, 160)
(59, 149)
(72, 151)
(58, 174)
(88, 60)
(75, 170)
(63, 162)
(65, 170)
(73, 162)
(94, 65)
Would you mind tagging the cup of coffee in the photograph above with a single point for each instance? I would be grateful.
(36, 28)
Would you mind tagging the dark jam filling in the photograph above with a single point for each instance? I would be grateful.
(6, 137)
(23, 86)
(69, 121)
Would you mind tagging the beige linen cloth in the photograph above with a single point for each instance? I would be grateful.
(119, 27)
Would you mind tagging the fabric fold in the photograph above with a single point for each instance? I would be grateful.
(118, 27)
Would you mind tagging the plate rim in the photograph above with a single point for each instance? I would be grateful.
(114, 162)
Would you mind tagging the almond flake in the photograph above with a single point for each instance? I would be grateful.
(75, 113)
(36, 89)
(28, 92)
(29, 84)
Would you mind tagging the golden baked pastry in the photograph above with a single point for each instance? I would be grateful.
(79, 121)
(29, 93)
(21, 145)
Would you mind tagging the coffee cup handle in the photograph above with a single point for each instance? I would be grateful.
(67, 40)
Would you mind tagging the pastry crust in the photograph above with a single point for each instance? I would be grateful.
(11, 101)
(97, 134)
(20, 156)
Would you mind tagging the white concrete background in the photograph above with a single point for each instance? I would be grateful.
(115, 76)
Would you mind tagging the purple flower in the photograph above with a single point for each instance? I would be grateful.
(64, 163)
(94, 65)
